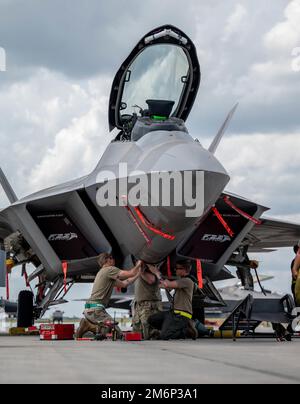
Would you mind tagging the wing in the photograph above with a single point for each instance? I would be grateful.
(212, 245)
(273, 234)
(5, 229)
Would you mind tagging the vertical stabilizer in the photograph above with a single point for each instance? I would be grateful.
(213, 147)
(10, 193)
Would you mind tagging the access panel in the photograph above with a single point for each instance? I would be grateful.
(63, 235)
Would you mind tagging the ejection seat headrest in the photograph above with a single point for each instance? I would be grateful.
(161, 108)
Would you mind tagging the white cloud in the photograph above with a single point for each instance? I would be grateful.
(286, 34)
(76, 148)
(234, 22)
(271, 69)
(54, 129)
(279, 43)
(264, 168)
(295, 218)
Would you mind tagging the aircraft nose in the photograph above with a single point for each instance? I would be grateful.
(203, 175)
(173, 219)
(175, 151)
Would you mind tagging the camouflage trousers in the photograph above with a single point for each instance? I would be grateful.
(297, 291)
(102, 320)
(142, 311)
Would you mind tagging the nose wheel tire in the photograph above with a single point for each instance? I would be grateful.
(25, 309)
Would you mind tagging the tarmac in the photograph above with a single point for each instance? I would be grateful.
(207, 361)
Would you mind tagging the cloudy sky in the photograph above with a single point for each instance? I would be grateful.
(60, 61)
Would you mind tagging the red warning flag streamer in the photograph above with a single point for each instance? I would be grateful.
(223, 222)
(41, 292)
(199, 274)
(138, 225)
(65, 271)
(151, 226)
(169, 272)
(24, 273)
(241, 212)
(26, 278)
(7, 285)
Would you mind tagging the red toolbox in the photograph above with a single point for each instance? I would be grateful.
(132, 336)
(57, 331)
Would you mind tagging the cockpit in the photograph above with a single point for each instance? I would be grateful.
(155, 117)
(156, 85)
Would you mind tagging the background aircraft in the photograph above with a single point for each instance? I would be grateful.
(9, 307)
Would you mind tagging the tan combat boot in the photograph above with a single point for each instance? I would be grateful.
(191, 331)
(84, 327)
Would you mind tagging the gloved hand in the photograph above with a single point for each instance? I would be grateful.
(254, 264)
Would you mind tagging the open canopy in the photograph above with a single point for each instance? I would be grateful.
(162, 66)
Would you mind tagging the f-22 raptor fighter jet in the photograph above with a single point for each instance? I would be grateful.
(62, 230)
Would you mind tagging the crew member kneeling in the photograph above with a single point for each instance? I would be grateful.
(147, 300)
(177, 323)
(96, 319)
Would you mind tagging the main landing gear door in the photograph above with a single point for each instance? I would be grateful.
(211, 243)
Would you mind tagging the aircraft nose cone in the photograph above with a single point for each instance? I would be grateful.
(175, 151)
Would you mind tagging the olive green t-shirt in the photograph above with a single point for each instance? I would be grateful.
(184, 295)
(104, 283)
(145, 292)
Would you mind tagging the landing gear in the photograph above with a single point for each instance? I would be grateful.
(25, 309)
(243, 265)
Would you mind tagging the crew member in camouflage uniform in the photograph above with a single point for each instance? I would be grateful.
(296, 249)
(296, 277)
(147, 300)
(96, 319)
(177, 323)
